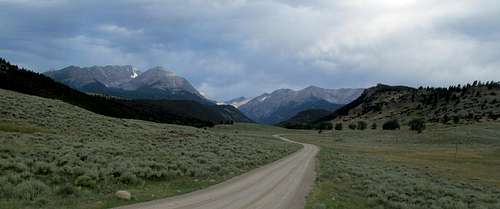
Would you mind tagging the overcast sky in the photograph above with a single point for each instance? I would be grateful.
(230, 48)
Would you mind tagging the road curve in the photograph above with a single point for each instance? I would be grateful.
(283, 184)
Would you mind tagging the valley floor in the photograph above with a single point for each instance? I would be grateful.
(444, 167)
(55, 155)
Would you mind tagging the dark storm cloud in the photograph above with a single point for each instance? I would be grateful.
(229, 48)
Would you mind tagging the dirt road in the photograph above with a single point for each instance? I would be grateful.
(283, 184)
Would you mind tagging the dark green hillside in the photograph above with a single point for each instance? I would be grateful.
(175, 112)
(289, 110)
(304, 119)
(455, 104)
(143, 93)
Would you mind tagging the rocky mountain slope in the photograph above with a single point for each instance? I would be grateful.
(282, 104)
(124, 81)
(237, 102)
(109, 76)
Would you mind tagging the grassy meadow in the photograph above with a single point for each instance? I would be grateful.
(55, 155)
(447, 167)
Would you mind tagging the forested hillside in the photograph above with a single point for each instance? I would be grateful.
(479, 101)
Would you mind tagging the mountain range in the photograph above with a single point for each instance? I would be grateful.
(184, 112)
(282, 104)
(238, 102)
(159, 83)
(161, 96)
(125, 81)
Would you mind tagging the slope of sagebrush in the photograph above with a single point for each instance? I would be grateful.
(57, 155)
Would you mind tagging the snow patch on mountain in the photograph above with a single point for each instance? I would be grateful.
(134, 73)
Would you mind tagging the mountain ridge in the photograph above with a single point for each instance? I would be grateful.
(455, 104)
(156, 83)
(281, 104)
(183, 112)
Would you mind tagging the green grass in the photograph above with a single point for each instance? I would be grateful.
(54, 155)
(444, 167)
(11, 126)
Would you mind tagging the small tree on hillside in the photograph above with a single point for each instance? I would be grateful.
(391, 125)
(417, 124)
(374, 126)
(325, 126)
(352, 126)
(362, 125)
(338, 126)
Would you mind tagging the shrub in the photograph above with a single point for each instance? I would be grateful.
(66, 190)
(14, 178)
(29, 190)
(446, 118)
(417, 124)
(374, 126)
(352, 126)
(129, 178)
(362, 125)
(6, 187)
(43, 168)
(391, 125)
(338, 126)
(85, 181)
(320, 206)
(325, 126)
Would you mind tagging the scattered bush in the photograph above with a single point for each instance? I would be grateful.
(446, 119)
(6, 187)
(66, 190)
(352, 126)
(392, 185)
(374, 126)
(417, 124)
(324, 126)
(362, 125)
(29, 190)
(93, 154)
(85, 181)
(43, 168)
(129, 178)
(391, 125)
(338, 126)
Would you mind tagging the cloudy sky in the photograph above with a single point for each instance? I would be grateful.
(230, 48)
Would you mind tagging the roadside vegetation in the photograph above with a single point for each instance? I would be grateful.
(443, 167)
(55, 155)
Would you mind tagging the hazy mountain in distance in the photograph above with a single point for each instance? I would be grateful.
(237, 102)
(282, 104)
